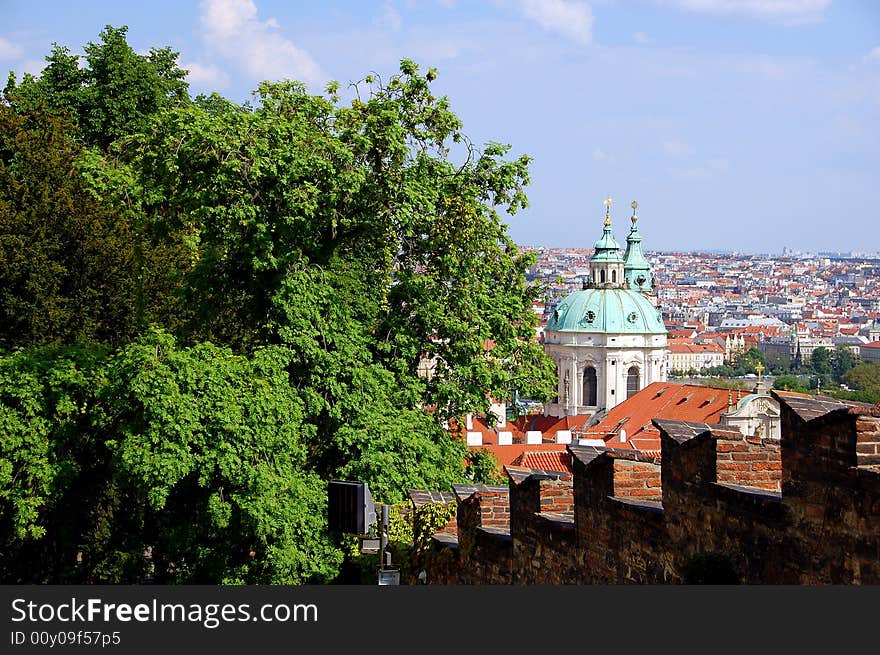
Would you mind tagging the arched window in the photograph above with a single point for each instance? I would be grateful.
(614, 276)
(632, 381)
(602, 276)
(556, 398)
(590, 387)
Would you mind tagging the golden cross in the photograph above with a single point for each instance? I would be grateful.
(760, 369)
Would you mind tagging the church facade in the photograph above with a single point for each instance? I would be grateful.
(608, 338)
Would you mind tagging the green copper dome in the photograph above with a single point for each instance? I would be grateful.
(607, 310)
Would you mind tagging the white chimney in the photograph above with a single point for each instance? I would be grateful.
(499, 411)
(534, 437)
(474, 438)
(469, 422)
(505, 438)
(563, 436)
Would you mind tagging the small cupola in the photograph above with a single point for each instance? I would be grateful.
(606, 264)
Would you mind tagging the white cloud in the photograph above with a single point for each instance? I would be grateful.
(232, 29)
(206, 76)
(641, 38)
(874, 55)
(571, 19)
(599, 154)
(8, 50)
(390, 18)
(794, 10)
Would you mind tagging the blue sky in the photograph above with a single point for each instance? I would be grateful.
(744, 125)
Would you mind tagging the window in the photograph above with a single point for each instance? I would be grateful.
(590, 387)
(602, 276)
(614, 276)
(632, 381)
(556, 398)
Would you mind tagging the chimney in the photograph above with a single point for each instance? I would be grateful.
(499, 411)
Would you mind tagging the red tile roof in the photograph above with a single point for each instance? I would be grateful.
(547, 424)
(687, 346)
(552, 460)
(663, 400)
(507, 454)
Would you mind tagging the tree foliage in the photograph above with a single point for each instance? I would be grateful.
(789, 383)
(865, 378)
(72, 268)
(111, 96)
(297, 257)
(821, 362)
(843, 360)
(192, 455)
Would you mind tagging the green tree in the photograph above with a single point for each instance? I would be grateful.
(820, 362)
(484, 468)
(57, 495)
(864, 377)
(789, 383)
(112, 96)
(842, 361)
(212, 444)
(326, 247)
(72, 267)
(347, 233)
(194, 456)
(748, 361)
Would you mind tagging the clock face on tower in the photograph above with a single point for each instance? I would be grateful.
(640, 280)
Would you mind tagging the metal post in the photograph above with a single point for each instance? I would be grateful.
(383, 537)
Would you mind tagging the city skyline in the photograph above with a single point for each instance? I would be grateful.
(743, 127)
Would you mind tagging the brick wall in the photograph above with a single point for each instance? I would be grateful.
(750, 462)
(618, 518)
(868, 441)
(805, 510)
(637, 480)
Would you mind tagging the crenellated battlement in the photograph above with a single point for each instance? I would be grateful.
(802, 510)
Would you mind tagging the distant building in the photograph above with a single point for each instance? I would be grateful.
(870, 352)
(685, 355)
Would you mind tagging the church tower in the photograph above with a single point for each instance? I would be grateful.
(636, 268)
(608, 339)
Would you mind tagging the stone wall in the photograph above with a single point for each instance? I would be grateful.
(716, 506)
(543, 535)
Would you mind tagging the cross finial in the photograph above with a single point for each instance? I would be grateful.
(635, 205)
(760, 369)
(608, 211)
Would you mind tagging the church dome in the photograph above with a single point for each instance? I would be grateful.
(607, 310)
